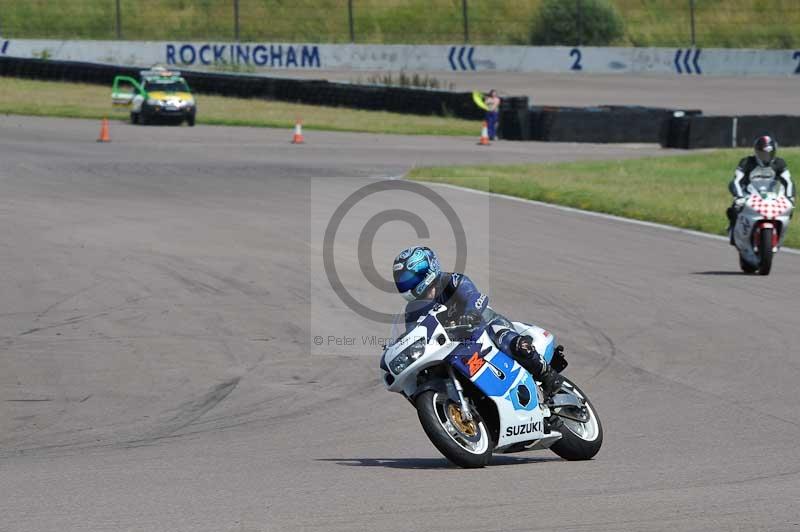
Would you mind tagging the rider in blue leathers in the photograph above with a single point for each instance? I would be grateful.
(418, 277)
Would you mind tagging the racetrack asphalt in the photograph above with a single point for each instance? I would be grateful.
(160, 295)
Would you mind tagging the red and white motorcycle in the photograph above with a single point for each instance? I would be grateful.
(762, 222)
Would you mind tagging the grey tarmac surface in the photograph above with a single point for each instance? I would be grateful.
(160, 295)
(714, 95)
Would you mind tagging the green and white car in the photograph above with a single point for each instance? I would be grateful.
(160, 95)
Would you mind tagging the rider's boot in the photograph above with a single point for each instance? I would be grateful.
(732, 214)
(551, 382)
(525, 353)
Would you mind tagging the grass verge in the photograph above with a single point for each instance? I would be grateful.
(718, 23)
(74, 100)
(687, 191)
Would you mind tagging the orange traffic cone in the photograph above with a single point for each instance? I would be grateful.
(298, 133)
(484, 141)
(104, 137)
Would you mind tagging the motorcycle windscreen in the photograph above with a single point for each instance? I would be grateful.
(762, 185)
(407, 319)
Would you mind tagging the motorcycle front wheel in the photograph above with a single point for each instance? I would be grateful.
(466, 443)
(765, 252)
(580, 440)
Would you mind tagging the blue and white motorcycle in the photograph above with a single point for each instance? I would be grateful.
(472, 399)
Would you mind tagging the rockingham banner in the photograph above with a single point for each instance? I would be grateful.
(275, 57)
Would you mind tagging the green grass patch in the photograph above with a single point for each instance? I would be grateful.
(689, 191)
(719, 23)
(73, 100)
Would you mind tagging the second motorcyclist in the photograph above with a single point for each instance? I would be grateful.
(765, 153)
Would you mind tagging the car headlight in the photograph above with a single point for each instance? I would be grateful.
(407, 356)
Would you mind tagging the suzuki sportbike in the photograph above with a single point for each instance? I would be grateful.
(762, 222)
(473, 399)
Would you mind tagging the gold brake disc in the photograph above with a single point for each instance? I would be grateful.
(466, 427)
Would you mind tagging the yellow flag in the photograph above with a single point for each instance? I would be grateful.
(477, 97)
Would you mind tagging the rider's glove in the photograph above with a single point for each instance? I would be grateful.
(523, 345)
(739, 202)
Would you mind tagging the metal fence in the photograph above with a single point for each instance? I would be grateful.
(704, 23)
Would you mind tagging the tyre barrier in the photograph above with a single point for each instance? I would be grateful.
(601, 124)
(407, 100)
(514, 118)
(693, 132)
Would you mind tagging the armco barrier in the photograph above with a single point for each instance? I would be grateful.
(321, 92)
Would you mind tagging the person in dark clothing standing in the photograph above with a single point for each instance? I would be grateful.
(492, 102)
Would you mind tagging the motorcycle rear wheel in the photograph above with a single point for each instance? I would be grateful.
(465, 443)
(579, 441)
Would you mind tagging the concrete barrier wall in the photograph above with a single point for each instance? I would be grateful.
(276, 57)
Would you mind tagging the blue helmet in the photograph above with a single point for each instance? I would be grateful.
(415, 269)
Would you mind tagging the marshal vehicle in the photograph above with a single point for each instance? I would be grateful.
(160, 95)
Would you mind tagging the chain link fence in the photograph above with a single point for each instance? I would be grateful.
(703, 23)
